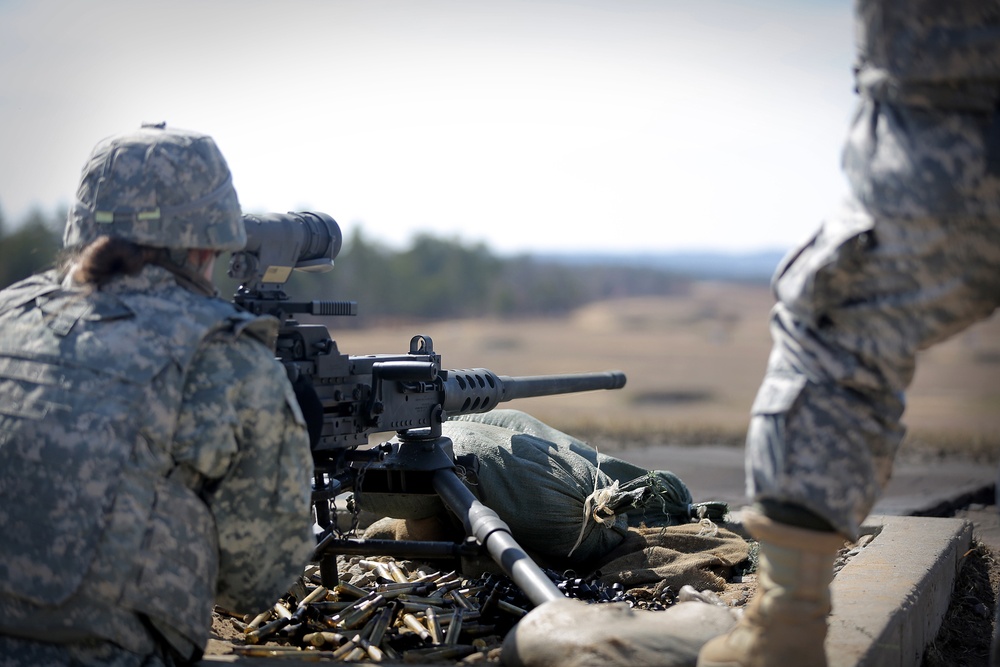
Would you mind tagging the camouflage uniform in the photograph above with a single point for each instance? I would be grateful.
(153, 459)
(202, 496)
(911, 258)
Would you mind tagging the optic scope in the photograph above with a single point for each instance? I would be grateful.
(280, 242)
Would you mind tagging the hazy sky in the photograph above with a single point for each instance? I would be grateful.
(529, 124)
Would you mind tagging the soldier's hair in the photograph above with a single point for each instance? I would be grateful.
(108, 257)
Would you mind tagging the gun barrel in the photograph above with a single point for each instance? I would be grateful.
(475, 390)
(547, 385)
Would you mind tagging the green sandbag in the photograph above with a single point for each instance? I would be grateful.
(667, 501)
(560, 497)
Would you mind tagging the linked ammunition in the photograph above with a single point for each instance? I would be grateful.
(382, 622)
(411, 621)
(315, 595)
(396, 573)
(378, 568)
(508, 608)
(454, 628)
(332, 606)
(266, 631)
(282, 611)
(362, 612)
(346, 649)
(460, 600)
(345, 589)
(404, 587)
(478, 629)
(424, 600)
(337, 620)
(390, 614)
(371, 650)
(257, 620)
(323, 637)
(432, 626)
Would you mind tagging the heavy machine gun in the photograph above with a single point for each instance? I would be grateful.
(347, 399)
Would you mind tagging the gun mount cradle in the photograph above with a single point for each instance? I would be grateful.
(423, 460)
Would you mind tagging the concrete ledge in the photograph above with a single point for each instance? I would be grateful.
(890, 598)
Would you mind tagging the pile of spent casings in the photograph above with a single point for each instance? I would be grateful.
(397, 611)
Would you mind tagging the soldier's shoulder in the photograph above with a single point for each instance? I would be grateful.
(28, 288)
(241, 355)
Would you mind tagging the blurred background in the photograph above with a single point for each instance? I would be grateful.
(540, 185)
(555, 125)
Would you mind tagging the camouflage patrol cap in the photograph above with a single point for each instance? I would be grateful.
(158, 187)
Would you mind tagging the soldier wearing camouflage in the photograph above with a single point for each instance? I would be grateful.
(909, 260)
(153, 459)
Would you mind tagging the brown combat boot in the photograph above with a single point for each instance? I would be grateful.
(785, 623)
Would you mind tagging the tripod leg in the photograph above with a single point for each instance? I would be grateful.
(483, 523)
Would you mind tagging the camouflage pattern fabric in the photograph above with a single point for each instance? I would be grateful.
(16, 652)
(154, 460)
(911, 258)
(929, 53)
(159, 187)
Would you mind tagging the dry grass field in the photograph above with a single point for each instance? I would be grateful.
(693, 364)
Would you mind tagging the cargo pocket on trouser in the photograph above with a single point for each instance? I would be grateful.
(811, 445)
(823, 272)
(766, 441)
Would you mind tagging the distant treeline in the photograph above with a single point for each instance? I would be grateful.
(445, 278)
(433, 278)
(29, 247)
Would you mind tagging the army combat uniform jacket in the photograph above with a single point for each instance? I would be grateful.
(153, 460)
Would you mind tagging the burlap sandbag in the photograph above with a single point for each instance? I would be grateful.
(570, 633)
(701, 556)
(438, 528)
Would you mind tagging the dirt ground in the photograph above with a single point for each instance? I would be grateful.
(964, 638)
(694, 363)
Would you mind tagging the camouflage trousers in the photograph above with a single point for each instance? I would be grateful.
(17, 652)
(912, 258)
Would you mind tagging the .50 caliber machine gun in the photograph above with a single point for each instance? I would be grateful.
(347, 398)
